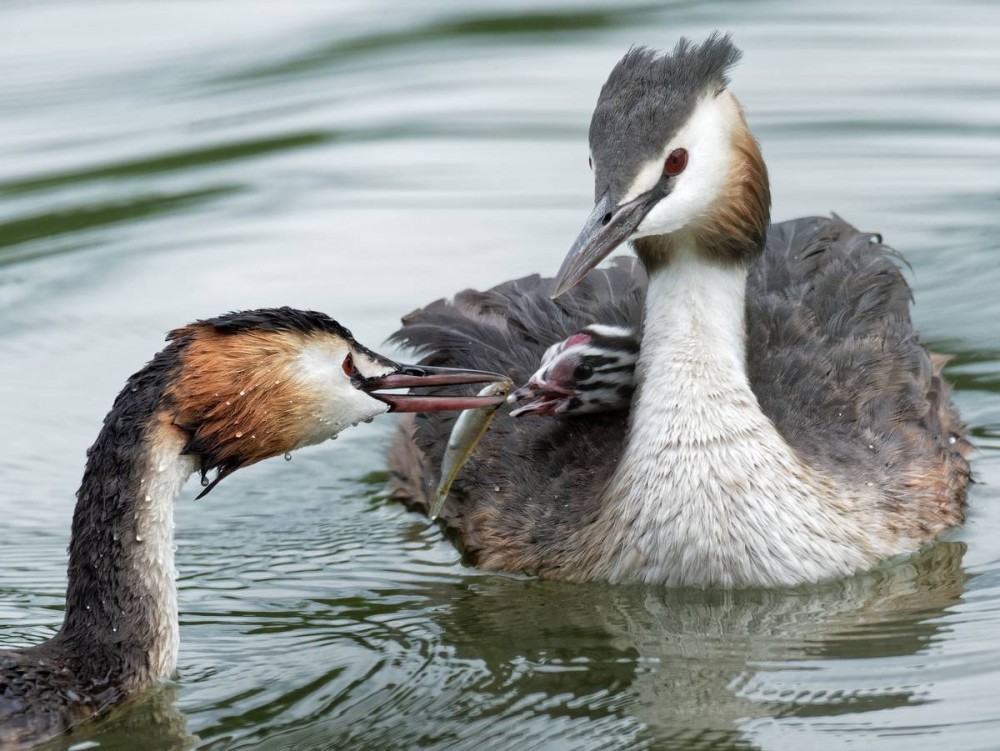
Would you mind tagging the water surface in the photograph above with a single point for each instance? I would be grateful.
(161, 162)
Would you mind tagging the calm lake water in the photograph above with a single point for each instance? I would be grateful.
(161, 162)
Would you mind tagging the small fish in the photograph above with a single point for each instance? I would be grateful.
(469, 429)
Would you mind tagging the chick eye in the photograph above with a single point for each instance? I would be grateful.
(675, 163)
(583, 372)
(348, 365)
(590, 162)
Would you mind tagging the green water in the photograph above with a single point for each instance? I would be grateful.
(161, 162)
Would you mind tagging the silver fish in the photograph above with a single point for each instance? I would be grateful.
(469, 429)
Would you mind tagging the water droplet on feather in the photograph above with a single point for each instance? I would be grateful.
(288, 456)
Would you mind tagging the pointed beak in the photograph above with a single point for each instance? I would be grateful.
(417, 376)
(537, 387)
(607, 227)
(546, 398)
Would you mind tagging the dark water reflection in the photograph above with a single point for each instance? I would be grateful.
(498, 663)
(161, 162)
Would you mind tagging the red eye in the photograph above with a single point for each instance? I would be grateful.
(349, 365)
(676, 162)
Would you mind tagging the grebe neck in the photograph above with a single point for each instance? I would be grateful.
(707, 492)
(121, 601)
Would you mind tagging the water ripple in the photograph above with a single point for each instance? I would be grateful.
(206, 157)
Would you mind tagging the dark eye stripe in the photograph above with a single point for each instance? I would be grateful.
(622, 344)
(605, 385)
(599, 361)
(613, 378)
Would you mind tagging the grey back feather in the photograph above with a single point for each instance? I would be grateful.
(838, 366)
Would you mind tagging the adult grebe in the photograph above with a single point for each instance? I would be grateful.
(787, 424)
(223, 394)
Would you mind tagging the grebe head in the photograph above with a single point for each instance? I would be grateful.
(672, 157)
(261, 383)
(590, 371)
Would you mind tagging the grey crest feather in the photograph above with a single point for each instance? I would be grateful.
(646, 99)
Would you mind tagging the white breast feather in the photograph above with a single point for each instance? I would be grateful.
(708, 493)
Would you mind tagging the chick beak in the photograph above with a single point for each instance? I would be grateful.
(418, 376)
(547, 398)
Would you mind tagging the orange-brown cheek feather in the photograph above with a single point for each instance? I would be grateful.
(237, 398)
(736, 228)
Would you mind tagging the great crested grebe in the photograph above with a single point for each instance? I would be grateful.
(787, 424)
(223, 394)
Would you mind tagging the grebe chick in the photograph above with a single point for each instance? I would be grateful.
(787, 425)
(591, 371)
(223, 394)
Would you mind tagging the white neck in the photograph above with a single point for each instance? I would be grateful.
(153, 554)
(708, 493)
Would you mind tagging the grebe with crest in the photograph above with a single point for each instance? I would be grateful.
(223, 394)
(787, 424)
